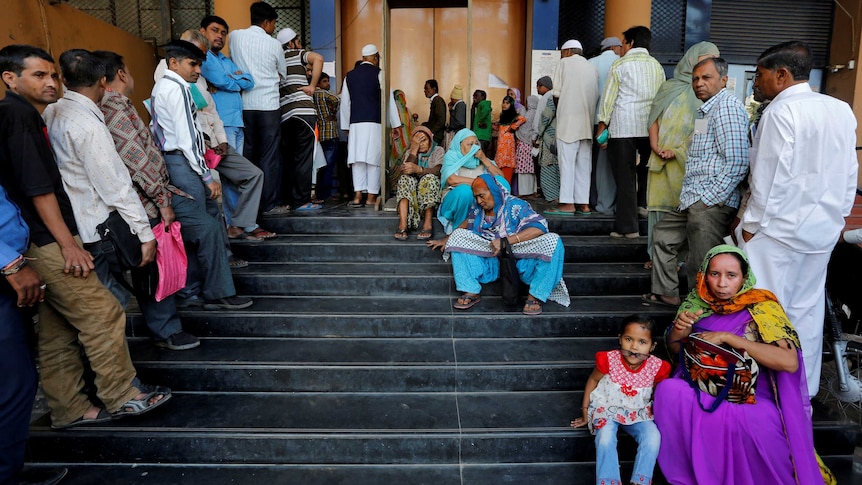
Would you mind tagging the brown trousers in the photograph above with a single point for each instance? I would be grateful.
(76, 313)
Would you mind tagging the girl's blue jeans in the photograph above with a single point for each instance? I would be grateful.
(607, 459)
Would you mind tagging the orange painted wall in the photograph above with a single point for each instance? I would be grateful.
(57, 28)
(432, 43)
(620, 15)
(846, 46)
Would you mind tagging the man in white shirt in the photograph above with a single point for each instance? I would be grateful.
(178, 134)
(98, 183)
(631, 85)
(256, 52)
(576, 92)
(360, 112)
(803, 183)
(603, 189)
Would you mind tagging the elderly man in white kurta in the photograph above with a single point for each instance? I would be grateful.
(803, 182)
(360, 112)
(576, 92)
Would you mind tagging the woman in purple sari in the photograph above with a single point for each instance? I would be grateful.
(755, 438)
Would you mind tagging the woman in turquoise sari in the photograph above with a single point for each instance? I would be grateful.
(463, 162)
(475, 245)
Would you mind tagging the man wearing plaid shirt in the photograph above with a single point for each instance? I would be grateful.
(717, 163)
(326, 105)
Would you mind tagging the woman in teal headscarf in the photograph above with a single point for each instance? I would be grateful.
(463, 162)
(671, 123)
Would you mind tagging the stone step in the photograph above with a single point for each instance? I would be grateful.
(418, 316)
(581, 473)
(236, 365)
(381, 279)
(350, 428)
(366, 221)
(383, 248)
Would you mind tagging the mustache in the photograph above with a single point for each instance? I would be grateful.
(629, 353)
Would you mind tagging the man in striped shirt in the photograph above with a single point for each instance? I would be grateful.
(298, 120)
(631, 86)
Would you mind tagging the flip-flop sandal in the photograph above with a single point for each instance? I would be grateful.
(655, 299)
(355, 205)
(135, 407)
(425, 235)
(558, 212)
(103, 417)
(532, 302)
(471, 301)
(245, 236)
(311, 206)
(401, 234)
(263, 233)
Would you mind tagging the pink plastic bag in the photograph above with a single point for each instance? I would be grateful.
(171, 259)
(212, 158)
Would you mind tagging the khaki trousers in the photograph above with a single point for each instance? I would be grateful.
(78, 313)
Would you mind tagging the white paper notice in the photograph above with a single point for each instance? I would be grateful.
(544, 63)
(494, 81)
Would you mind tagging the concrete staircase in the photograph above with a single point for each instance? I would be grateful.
(353, 368)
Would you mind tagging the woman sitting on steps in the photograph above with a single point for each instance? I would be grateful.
(474, 247)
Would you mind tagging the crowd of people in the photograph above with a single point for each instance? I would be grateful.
(261, 131)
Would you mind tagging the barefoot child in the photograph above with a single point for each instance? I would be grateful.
(619, 394)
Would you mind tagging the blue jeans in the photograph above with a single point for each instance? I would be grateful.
(607, 459)
(161, 316)
(235, 137)
(326, 174)
(17, 387)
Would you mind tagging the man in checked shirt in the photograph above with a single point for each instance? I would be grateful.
(717, 163)
(326, 104)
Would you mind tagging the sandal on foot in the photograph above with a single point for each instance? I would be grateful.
(263, 233)
(401, 234)
(355, 205)
(103, 417)
(245, 236)
(532, 302)
(424, 234)
(135, 407)
(471, 300)
(655, 298)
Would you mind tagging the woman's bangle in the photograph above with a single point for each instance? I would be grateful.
(519, 237)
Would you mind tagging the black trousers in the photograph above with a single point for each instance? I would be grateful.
(297, 153)
(262, 147)
(623, 155)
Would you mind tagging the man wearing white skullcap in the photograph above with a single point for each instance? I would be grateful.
(298, 121)
(576, 92)
(360, 113)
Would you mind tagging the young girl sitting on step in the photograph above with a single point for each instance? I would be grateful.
(619, 394)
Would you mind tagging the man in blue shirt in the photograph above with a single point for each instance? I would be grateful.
(226, 78)
(717, 163)
(22, 287)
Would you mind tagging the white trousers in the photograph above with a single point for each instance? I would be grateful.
(799, 282)
(366, 178)
(576, 165)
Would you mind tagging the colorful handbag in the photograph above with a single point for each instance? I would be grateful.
(708, 367)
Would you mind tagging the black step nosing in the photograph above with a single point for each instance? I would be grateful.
(449, 366)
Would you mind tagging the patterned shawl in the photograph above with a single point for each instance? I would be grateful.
(771, 320)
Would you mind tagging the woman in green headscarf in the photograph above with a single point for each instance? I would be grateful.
(671, 123)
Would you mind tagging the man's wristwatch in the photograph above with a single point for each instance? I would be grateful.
(14, 269)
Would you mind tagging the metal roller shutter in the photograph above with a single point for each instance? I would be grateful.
(743, 29)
